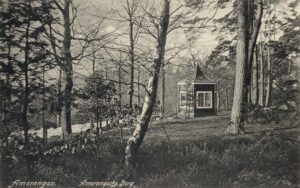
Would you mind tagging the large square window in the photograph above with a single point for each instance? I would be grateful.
(204, 99)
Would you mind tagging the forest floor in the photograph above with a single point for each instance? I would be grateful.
(194, 152)
(197, 152)
(200, 128)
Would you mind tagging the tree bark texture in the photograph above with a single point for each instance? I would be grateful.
(59, 99)
(163, 91)
(138, 86)
(254, 82)
(68, 67)
(137, 137)
(45, 135)
(252, 42)
(131, 56)
(240, 92)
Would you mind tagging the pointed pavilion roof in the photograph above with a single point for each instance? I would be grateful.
(200, 78)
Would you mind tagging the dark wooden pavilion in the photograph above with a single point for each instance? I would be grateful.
(197, 97)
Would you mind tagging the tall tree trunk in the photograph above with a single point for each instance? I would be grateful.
(240, 91)
(93, 72)
(252, 43)
(261, 76)
(269, 62)
(26, 87)
(218, 100)
(120, 83)
(137, 137)
(226, 99)
(97, 124)
(255, 80)
(43, 112)
(67, 65)
(138, 86)
(26, 94)
(94, 60)
(59, 100)
(131, 56)
(163, 91)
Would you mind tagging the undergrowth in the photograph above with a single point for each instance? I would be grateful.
(244, 161)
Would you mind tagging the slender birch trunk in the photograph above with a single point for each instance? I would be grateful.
(240, 91)
(261, 76)
(131, 56)
(137, 137)
(269, 62)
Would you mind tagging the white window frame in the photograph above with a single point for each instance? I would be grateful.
(180, 102)
(211, 100)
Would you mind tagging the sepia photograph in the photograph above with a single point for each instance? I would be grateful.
(149, 93)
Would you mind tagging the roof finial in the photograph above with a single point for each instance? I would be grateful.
(199, 73)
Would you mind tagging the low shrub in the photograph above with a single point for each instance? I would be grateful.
(244, 161)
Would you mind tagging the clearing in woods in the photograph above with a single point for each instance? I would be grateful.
(202, 127)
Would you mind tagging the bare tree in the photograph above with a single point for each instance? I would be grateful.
(131, 9)
(73, 36)
(137, 137)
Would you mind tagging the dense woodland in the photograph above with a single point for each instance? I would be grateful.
(113, 67)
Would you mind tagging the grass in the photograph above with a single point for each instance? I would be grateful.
(220, 162)
(198, 154)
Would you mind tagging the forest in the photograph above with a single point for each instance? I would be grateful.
(149, 93)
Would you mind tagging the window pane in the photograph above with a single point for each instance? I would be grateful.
(200, 101)
(208, 99)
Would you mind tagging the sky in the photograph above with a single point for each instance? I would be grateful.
(205, 41)
(202, 46)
